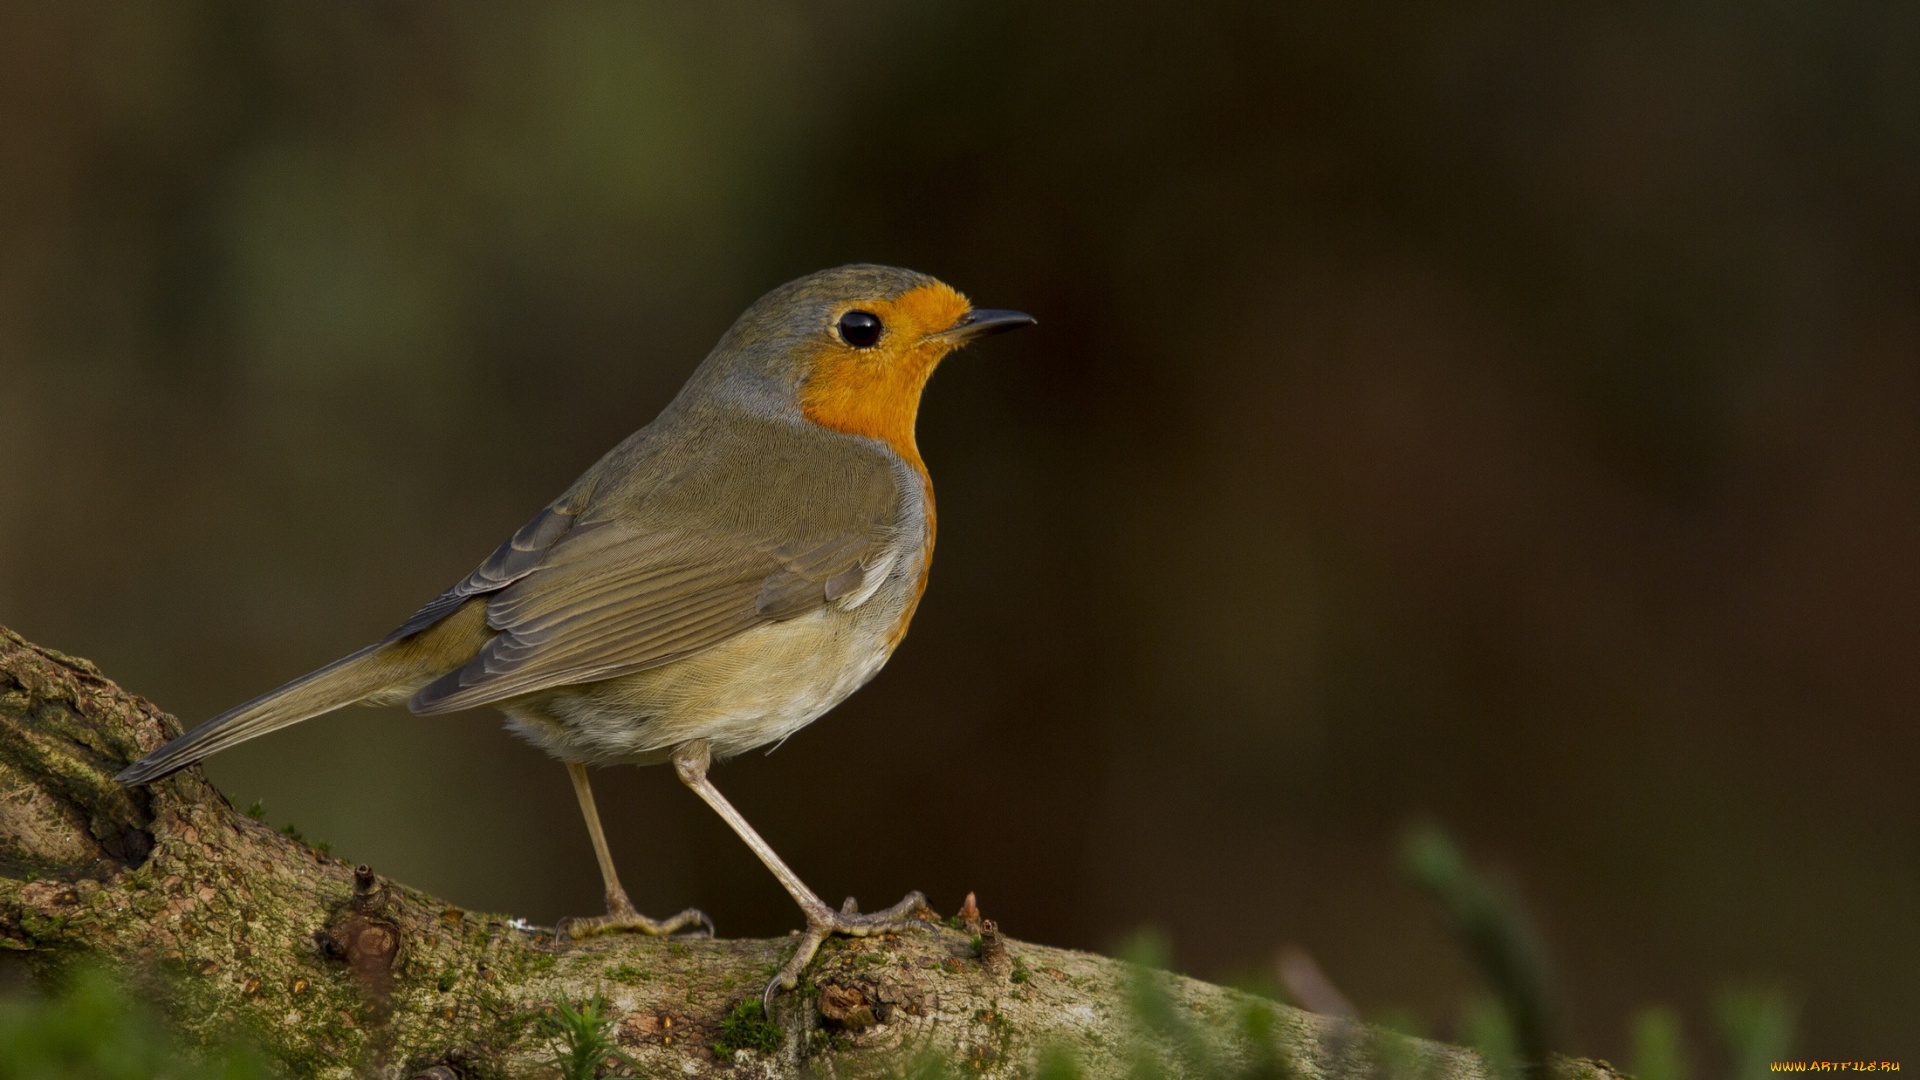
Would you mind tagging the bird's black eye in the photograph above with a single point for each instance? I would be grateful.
(860, 329)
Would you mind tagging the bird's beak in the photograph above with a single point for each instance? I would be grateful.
(983, 322)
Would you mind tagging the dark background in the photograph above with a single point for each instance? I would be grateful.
(1506, 414)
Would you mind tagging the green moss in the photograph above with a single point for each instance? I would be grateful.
(581, 1038)
(1058, 1063)
(94, 1028)
(746, 1027)
(41, 928)
(293, 831)
(629, 974)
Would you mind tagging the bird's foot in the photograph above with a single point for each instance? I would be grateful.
(825, 922)
(621, 918)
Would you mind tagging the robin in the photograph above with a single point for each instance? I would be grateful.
(716, 582)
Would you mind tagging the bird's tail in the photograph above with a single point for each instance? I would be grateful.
(345, 681)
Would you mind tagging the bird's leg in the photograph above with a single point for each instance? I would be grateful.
(620, 914)
(691, 762)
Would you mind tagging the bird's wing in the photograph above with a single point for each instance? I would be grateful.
(611, 594)
(519, 556)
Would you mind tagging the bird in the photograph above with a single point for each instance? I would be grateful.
(717, 581)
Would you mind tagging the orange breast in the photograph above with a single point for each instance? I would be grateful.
(876, 392)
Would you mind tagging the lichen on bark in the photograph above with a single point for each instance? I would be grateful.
(335, 971)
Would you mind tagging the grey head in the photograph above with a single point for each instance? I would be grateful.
(765, 358)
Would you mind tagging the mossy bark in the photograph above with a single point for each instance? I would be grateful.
(240, 930)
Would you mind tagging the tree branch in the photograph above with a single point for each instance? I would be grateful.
(337, 972)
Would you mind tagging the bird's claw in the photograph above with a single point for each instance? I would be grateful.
(825, 922)
(627, 920)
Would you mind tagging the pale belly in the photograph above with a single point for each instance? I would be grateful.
(746, 692)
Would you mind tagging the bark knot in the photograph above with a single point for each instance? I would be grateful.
(366, 938)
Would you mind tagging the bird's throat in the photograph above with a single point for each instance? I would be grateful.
(876, 392)
(876, 401)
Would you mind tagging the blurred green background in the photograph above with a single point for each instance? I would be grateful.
(1498, 412)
